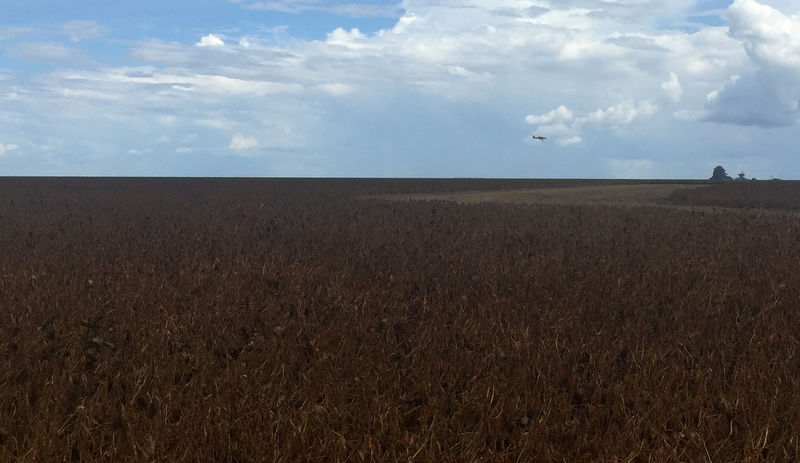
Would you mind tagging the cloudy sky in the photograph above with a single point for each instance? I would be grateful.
(420, 88)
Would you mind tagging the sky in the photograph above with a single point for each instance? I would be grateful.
(419, 88)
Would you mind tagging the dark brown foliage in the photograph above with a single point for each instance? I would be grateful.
(288, 320)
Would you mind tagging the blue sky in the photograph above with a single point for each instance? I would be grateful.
(420, 88)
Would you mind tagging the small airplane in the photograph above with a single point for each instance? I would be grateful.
(535, 137)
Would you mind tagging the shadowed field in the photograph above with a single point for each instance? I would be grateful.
(763, 195)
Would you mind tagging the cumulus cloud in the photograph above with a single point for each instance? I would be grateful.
(241, 143)
(768, 94)
(210, 40)
(7, 148)
(352, 39)
(769, 36)
(464, 72)
(556, 116)
(622, 114)
(565, 128)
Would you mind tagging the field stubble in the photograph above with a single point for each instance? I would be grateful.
(247, 320)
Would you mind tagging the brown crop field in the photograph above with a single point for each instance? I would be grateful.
(315, 320)
(596, 194)
(756, 195)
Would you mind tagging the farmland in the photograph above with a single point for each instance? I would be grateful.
(397, 320)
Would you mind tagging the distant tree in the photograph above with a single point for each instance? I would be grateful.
(720, 174)
(741, 176)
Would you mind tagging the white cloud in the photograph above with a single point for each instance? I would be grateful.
(573, 140)
(79, 30)
(770, 37)
(337, 89)
(241, 143)
(7, 148)
(185, 82)
(672, 88)
(556, 116)
(622, 114)
(565, 128)
(137, 151)
(352, 39)
(458, 74)
(559, 125)
(460, 71)
(576, 54)
(768, 94)
(210, 40)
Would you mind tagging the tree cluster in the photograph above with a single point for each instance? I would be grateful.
(719, 174)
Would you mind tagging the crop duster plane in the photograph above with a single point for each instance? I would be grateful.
(536, 137)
